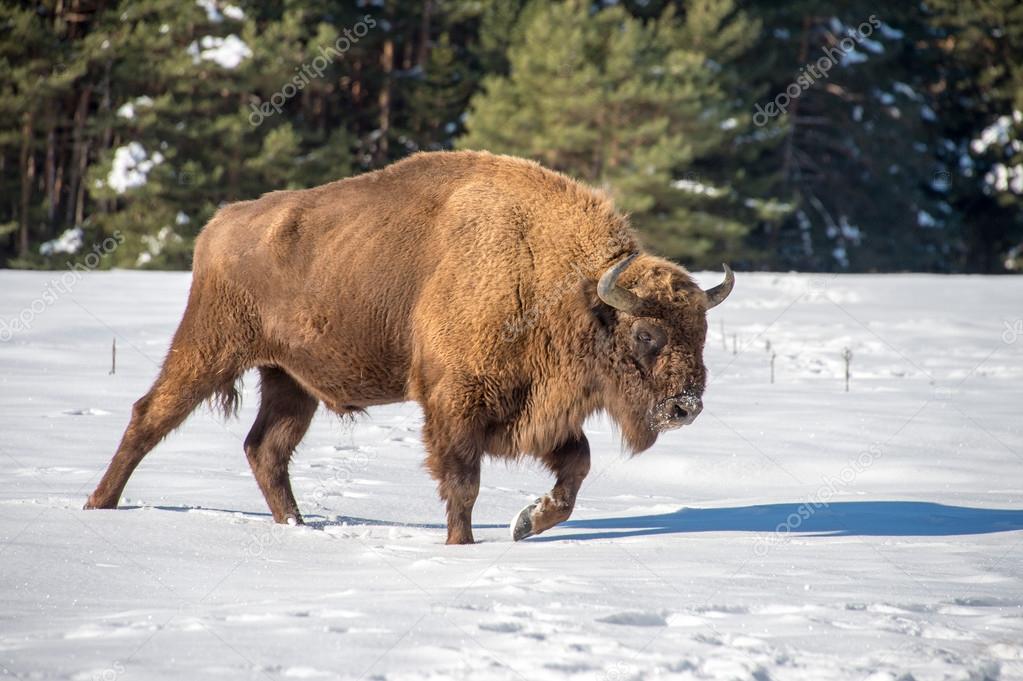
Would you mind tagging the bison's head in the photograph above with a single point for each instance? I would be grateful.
(655, 324)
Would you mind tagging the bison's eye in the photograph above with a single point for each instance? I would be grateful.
(647, 340)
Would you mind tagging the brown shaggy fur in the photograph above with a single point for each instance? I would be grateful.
(464, 281)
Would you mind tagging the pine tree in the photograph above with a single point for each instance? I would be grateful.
(124, 117)
(647, 110)
(859, 135)
(436, 99)
(36, 76)
(980, 105)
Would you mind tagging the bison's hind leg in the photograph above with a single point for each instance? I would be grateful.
(188, 377)
(285, 412)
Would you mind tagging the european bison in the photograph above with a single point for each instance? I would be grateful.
(509, 301)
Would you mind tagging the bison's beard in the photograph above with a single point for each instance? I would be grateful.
(638, 436)
(634, 423)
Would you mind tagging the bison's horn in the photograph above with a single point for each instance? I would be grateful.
(717, 295)
(613, 294)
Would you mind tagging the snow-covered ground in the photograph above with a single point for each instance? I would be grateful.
(796, 531)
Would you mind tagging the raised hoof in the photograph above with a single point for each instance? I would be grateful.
(522, 526)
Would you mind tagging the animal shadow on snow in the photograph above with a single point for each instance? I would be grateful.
(312, 520)
(840, 518)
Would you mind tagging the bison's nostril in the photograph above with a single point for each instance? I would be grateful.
(678, 412)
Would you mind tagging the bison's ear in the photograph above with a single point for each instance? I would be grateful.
(605, 315)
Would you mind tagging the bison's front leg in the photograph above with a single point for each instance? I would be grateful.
(454, 462)
(459, 485)
(570, 463)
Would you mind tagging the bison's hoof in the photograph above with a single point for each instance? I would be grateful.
(91, 504)
(522, 526)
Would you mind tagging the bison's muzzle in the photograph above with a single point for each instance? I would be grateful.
(675, 412)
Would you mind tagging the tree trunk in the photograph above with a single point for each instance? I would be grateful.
(788, 160)
(50, 173)
(106, 105)
(384, 100)
(79, 161)
(28, 171)
(424, 35)
(789, 170)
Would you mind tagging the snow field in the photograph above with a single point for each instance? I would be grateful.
(795, 531)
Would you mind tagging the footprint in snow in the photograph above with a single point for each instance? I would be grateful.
(571, 667)
(304, 673)
(722, 610)
(635, 619)
(88, 411)
(502, 627)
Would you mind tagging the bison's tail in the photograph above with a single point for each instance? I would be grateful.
(226, 398)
